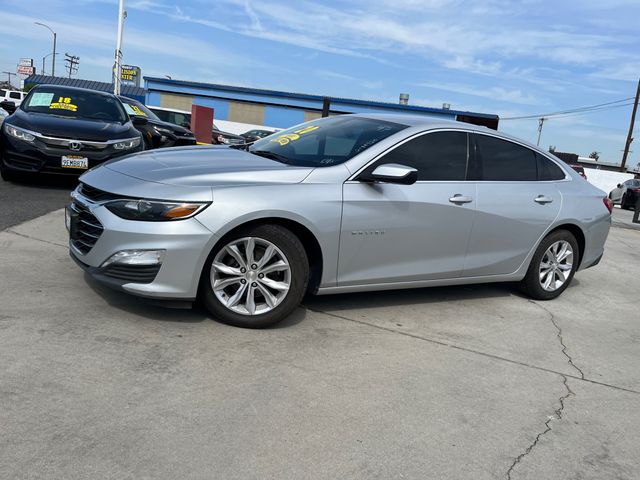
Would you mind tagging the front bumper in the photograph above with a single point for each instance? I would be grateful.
(186, 243)
(38, 157)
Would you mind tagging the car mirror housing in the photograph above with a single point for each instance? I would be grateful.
(619, 185)
(392, 173)
(8, 106)
(139, 121)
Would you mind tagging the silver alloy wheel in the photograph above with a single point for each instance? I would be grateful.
(250, 276)
(556, 265)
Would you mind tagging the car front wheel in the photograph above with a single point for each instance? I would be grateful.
(255, 277)
(552, 266)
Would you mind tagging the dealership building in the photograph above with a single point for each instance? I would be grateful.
(281, 109)
(258, 106)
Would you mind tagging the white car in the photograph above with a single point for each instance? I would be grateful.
(12, 96)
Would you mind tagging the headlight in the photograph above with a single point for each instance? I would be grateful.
(153, 210)
(19, 133)
(163, 131)
(127, 144)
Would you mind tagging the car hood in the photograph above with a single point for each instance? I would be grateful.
(200, 166)
(76, 128)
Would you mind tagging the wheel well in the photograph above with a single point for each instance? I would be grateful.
(308, 240)
(577, 233)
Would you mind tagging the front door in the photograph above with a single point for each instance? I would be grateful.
(403, 233)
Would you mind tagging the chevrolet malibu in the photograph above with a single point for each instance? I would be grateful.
(343, 204)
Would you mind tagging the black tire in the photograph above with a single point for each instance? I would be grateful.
(530, 285)
(295, 254)
(623, 202)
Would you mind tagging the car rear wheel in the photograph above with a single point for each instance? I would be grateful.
(552, 267)
(255, 277)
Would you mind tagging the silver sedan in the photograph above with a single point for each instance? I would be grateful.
(343, 204)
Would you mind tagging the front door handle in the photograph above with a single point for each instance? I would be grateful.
(542, 199)
(460, 199)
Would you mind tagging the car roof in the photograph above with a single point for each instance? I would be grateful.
(430, 123)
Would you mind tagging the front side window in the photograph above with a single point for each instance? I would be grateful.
(75, 103)
(325, 142)
(503, 160)
(438, 156)
(15, 95)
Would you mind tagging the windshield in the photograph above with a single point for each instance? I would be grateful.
(325, 142)
(136, 108)
(75, 103)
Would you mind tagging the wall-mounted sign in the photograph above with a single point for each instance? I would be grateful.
(25, 62)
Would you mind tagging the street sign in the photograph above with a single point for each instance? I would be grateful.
(25, 62)
(23, 70)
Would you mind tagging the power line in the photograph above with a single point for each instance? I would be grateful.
(589, 108)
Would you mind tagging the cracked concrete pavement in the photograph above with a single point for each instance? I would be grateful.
(472, 382)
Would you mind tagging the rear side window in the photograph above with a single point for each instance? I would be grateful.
(15, 95)
(548, 170)
(3, 93)
(436, 156)
(506, 161)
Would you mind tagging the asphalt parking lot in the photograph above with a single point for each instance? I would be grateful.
(472, 382)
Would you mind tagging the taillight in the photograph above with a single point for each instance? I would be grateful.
(609, 204)
(637, 190)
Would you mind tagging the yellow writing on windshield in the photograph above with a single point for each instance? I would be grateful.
(64, 103)
(138, 111)
(295, 135)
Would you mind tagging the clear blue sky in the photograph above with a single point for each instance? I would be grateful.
(494, 56)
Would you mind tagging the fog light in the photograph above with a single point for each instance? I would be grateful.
(136, 257)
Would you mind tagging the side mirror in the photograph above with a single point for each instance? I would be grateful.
(8, 106)
(619, 185)
(393, 173)
(139, 121)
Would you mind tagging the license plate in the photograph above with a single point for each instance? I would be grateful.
(75, 161)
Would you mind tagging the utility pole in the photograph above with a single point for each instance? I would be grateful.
(9, 76)
(540, 123)
(71, 61)
(117, 77)
(627, 144)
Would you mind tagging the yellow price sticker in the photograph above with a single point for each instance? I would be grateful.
(64, 103)
(295, 135)
(138, 111)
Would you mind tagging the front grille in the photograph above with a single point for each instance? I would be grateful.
(95, 194)
(86, 229)
(132, 273)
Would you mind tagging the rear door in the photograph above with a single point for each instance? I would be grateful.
(403, 233)
(517, 200)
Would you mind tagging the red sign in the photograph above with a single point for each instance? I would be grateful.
(23, 70)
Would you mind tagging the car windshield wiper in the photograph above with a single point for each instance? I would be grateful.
(271, 155)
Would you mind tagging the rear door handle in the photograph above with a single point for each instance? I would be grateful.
(460, 199)
(542, 199)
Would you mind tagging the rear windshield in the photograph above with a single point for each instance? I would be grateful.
(325, 142)
(75, 103)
